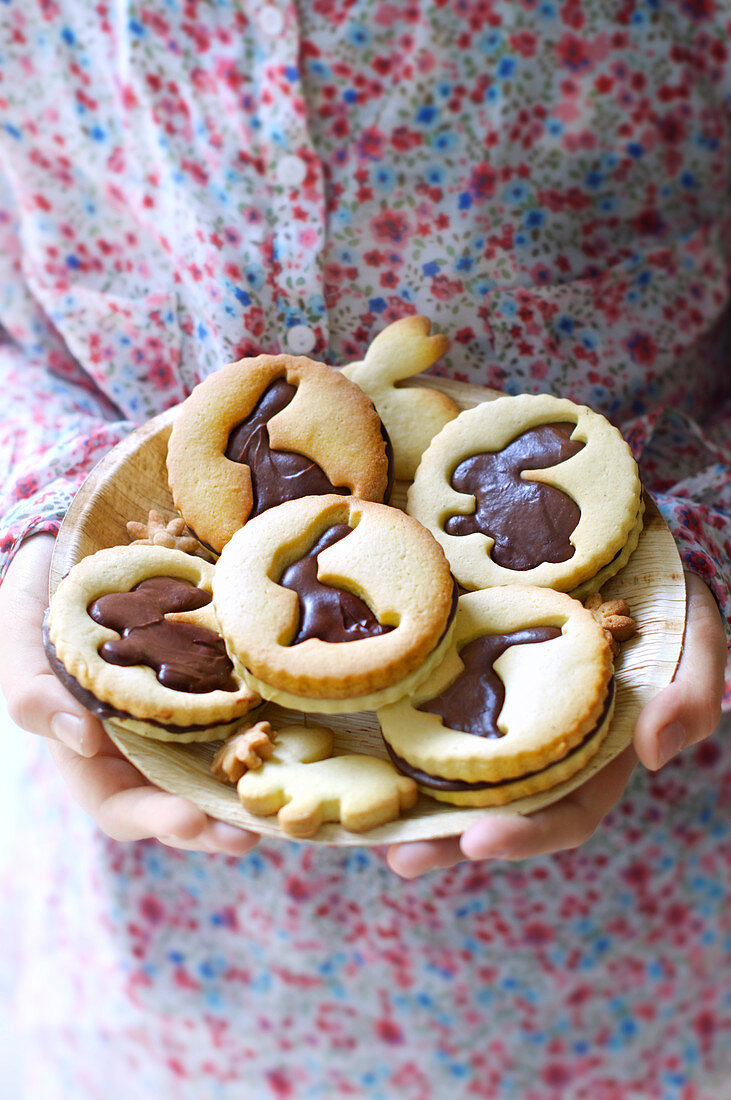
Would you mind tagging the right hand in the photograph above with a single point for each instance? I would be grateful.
(118, 797)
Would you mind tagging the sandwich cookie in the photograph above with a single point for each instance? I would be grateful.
(530, 490)
(131, 633)
(262, 431)
(521, 701)
(334, 603)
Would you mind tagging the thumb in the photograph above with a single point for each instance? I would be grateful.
(689, 709)
(37, 701)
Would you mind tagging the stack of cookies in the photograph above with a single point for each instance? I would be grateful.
(325, 599)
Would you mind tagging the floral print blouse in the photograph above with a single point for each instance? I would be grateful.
(185, 182)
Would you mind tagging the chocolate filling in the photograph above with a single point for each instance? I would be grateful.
(439, 783)
(95, 705)
(473, 701)
(328, 613)
(529, 521)
(185, 656)
(276, 476)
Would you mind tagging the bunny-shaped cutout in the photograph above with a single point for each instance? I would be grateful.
(412, 416)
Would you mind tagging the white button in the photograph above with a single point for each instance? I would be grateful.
(271, 20)
(301, 339)
(290, 170)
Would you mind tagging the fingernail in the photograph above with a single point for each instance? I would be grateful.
(670, 740)
(68, 728)
(483, 850)
(231, 837)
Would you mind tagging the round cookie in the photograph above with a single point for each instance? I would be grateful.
(530, 490)
(522, 700)
(265, 430)
(131, 632)
(334, 603)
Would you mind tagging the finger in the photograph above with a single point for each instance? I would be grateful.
(37, 701)
(689, 709)
(565, 825)
(122, 802)
(419, 856)
(216, 838)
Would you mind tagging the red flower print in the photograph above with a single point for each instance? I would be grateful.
(672, 128)
(371, 144)
(390, 227)
(649, 223)
(574, 53)
(464, 336)
(254, 321)
(699, 9)
(524, 43)
(403, 139)
(482, 181)
(389, 1031)
(572, 14)
(444, 288)
(642, 348)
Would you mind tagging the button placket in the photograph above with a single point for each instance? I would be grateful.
(301, 339)
(296, 213)
(270, 20)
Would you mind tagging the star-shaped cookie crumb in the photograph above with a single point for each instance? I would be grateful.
(173, 534)
(614, 618)
(244, 751)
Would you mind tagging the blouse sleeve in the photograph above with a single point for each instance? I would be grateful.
(54, 429)
(688, 471)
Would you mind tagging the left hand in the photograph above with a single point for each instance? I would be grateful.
(682, 714)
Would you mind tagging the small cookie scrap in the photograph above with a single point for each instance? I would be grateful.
(174, 534)
(614, 618)
(246, 750)
(306, 786)
(412, 415)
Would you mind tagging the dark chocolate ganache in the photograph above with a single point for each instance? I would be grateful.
(184, 656)
(276, 476)
(473, 701)
(328, 613)
(439, 783)
(529, 521)
(87, 698)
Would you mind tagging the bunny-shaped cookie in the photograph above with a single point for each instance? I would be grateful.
(412, 415)
(307, 786)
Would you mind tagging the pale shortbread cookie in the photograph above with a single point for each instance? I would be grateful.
(326, 420)
(600, 481)
(554, 665)
(373, 620)
(412, 415)
(306, 786)
(135, 690)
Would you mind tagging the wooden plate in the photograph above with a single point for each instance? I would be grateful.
(132, 478)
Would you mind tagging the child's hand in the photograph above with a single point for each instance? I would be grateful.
(685, 712)
(110, 789)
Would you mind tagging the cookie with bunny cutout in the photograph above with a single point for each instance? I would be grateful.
(333, 603)
(521, 702)
(530, 490)
(412, 415)
(306, 786)
(132, 634)
(269, 429)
